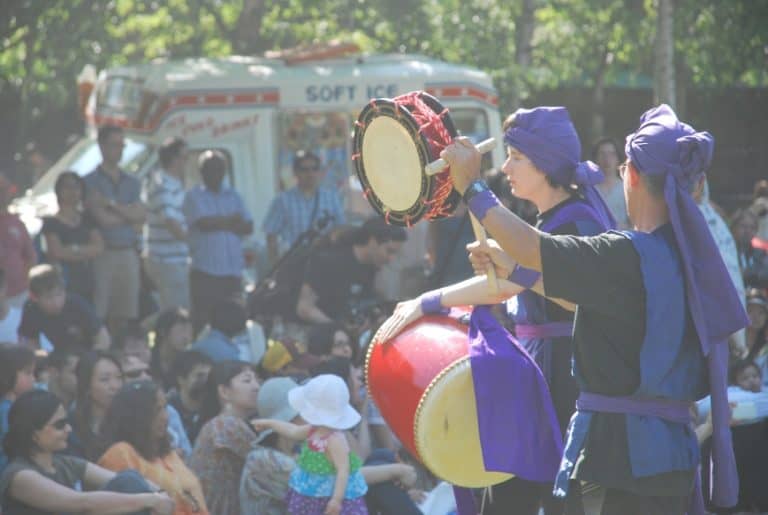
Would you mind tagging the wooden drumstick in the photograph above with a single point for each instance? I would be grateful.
(493, 284)
(439, 165)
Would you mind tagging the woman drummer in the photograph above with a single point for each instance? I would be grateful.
(542, 166)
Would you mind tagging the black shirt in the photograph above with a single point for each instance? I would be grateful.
(78, 274)
(339, 280)
(74, 327)
(602, 275)
(69, 471)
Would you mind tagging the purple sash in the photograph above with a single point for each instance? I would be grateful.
(670, 410)
(548, 330)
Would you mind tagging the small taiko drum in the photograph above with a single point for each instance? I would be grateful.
(421, 381)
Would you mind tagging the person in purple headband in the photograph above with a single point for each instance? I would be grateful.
(543, 166)
(655, 307)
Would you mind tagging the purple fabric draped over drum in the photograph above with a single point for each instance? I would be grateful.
(519, 432)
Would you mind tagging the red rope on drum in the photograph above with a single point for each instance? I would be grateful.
(433, 129)
(366, 193)
(360, 124)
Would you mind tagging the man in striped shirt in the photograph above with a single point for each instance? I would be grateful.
(165, 234)
(296, 210)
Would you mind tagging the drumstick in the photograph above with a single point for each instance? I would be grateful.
(439, 165)
(493, 284)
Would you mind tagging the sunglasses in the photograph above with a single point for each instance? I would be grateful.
(60, 424)
(135, 374)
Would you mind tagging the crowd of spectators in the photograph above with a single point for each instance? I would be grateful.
(110, 403)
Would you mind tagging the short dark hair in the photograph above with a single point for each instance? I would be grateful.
(13, 359)
(105, 131)
(28, 414)
(121, 423)
(229, 317)
(320, 338)
(60, 356)
(131, 329)
(170, 150)
(603, 141)
(760, 189)
(186, 361)
(167, 319)
(302, 156)
(65, 176)
(337, 366)
(737, 367)
(221, 374)
(45, 278)
(212, 161)
(378, 229)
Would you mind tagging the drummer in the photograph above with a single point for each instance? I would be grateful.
(543, 167)
(656, 306)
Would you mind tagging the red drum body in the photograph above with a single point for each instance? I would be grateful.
(421, 381)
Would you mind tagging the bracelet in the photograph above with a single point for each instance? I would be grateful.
(430, 303)
(481, 203)
(525, 277)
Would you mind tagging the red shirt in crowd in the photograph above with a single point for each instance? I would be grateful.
(17, 254)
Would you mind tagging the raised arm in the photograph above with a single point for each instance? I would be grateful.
(286, 429)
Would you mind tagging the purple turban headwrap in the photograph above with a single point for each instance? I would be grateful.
(547, 137)
(663, 146)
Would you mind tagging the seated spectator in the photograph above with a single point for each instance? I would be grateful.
(18, 254)
(135, 370)
(190, 374)
(225, 439)
(53, 318)
(330, 340)
(757, 330)
(10, 316)
(264, 483)
(99, 378)
(42, 481)
(173, 335)
(217, 220)
(131, 340)
(17, 375)
(339, 280)
(753, 260)
(142, 444)
(72, 238)
(62, 379)
(606, 154)
(760, 208)
(220, 343)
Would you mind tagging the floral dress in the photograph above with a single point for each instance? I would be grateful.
(313, 480)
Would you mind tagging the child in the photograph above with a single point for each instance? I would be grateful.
(17, 375)
(53, 318)
(327, 479)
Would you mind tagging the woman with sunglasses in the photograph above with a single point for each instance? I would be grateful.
(42, 481)
(142, 444)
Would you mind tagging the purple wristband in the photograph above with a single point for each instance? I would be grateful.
(525, 277)
(482, 202)
(430, 303)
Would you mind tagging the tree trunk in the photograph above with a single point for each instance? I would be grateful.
(247, 34)
(523, 47)
(664, 65)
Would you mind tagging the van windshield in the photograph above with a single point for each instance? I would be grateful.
(85, 156)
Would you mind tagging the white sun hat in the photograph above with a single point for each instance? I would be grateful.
(324, 401)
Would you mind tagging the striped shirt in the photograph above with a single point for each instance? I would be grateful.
(218, 253)
(165, 198)
(290, 213)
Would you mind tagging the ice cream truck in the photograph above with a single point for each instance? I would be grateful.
(258, 112)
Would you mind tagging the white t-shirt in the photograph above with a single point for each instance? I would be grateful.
(9, 326)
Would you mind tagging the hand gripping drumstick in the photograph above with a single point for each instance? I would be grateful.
(438, 166)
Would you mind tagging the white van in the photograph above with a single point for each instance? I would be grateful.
(258, 112)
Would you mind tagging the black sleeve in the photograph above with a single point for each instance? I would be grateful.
(30, 325)
(599, 272)
(49, 226)
(319, 271)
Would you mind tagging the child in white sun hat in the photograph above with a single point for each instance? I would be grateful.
(327, 479)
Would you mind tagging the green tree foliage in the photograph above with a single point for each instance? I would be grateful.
(594, 43)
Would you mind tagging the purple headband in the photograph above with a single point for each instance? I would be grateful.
(664, 146)
(547, 137)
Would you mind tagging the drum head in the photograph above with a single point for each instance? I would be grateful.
(446, 431)
(392, 162)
